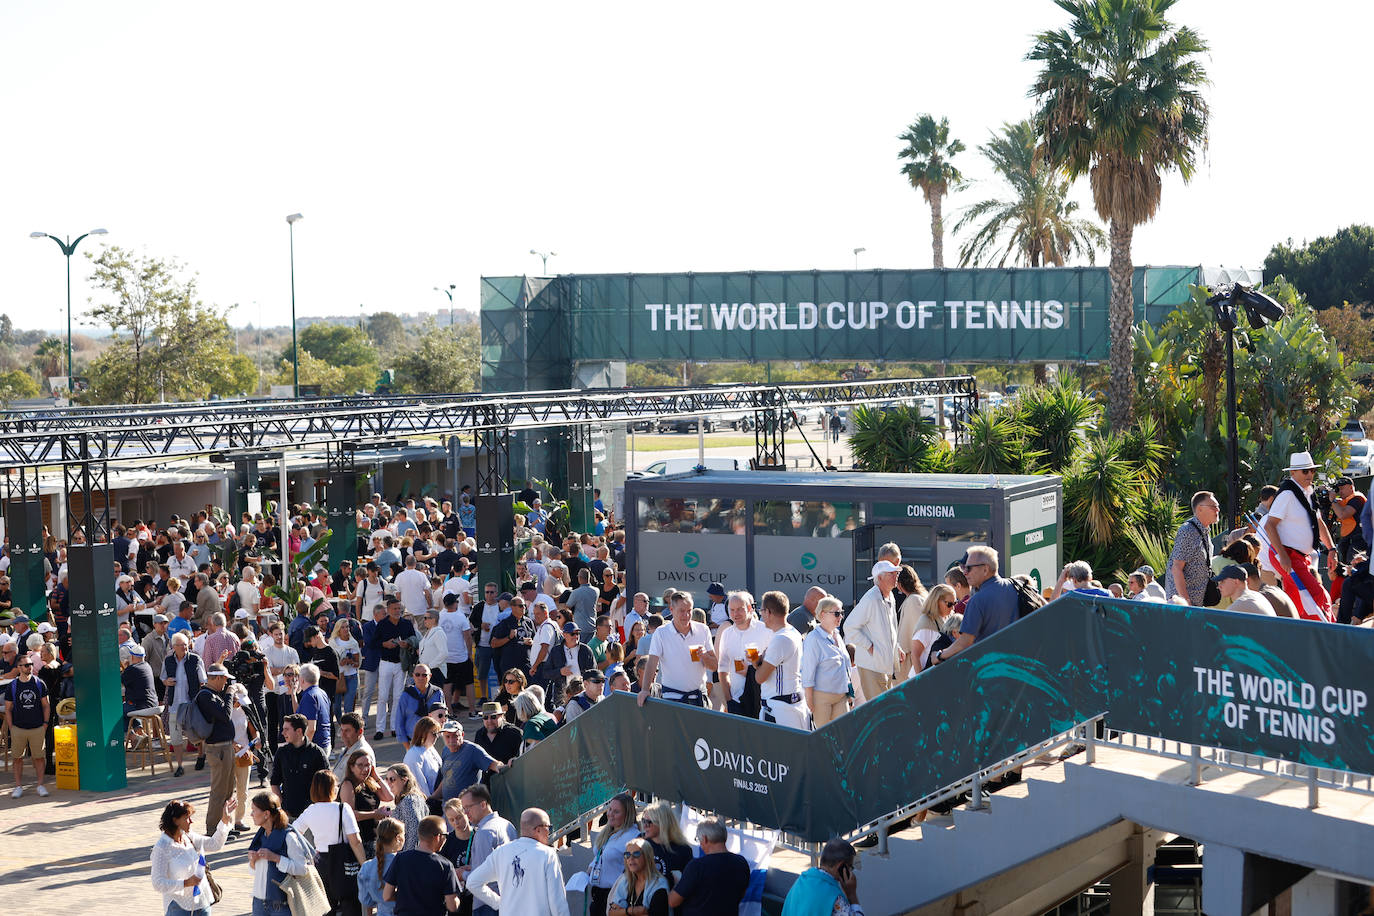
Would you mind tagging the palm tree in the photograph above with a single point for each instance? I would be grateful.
(928, 152)
(47, 357)
(1119, 96)
(1036, 220)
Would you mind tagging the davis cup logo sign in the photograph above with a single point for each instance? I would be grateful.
(702, 750)
(740, 765)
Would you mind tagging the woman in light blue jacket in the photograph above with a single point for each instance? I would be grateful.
(391, 836)
(640, 890)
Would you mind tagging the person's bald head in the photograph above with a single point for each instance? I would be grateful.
(535, 824)
(813, 594)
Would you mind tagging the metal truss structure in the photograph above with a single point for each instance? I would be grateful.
(152, 433)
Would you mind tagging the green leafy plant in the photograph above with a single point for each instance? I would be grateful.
(897, 440)
(297, 572)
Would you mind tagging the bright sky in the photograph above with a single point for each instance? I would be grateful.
(434, 143)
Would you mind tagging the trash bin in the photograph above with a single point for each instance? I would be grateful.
(64, 754)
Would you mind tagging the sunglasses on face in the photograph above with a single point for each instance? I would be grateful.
(633, 854)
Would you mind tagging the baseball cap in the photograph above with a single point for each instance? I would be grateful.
(451, 726)
(884, 566)
(1234, 571)
(504, 596)
(46, 627)
(450, 598)
(570, 627)
(438, 704)
(715, 588)
(591, 674)
(136, 649)
(241, 614)
(219, 671)
(159, 618)
(1146, 570)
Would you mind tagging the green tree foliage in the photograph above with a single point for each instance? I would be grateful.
(1034, 224)
(1293, 387)
(1331, 270)
(17, 383)
(387, 331)
(163, 337)
(443, 360)
(1119, 100)
(339, 344)
(928, 166)
(332, 379)
(648, 375)
(896, 440)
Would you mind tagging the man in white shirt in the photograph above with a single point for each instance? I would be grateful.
(249, 596)
(526, 872)
(872, 628)
(458, 630)
(1293, 528)
(779, 671)
(180, 564)
(718, 614)
(412, 587)
(732, 649)
(279, 655)
(546, 636)
(456, 583)
(681, 654)
(638, 613)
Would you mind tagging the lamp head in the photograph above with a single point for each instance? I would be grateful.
(294, 217)
(1259, 308)
(1224, 309)
(98, 232)
(38, 235)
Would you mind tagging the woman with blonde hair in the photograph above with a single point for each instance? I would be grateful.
(422, 759)
(608, 852)
(411, 806)
(926, 628)
(641, 890)
(671, 850)
(529, 710)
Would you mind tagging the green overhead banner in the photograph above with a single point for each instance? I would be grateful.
(977, 315)
(1287, 689)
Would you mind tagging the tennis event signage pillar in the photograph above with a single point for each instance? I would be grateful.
(95, 667)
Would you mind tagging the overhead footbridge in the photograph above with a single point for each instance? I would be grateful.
(1249, 735)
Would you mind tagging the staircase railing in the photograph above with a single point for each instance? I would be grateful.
(1190, 675)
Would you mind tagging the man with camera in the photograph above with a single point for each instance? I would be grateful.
(1295, 529)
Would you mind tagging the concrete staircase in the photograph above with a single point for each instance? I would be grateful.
(1068, 825)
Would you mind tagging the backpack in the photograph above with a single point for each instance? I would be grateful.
(1028, 597)
(193, 722)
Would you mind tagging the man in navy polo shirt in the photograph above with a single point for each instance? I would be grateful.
(993, 605)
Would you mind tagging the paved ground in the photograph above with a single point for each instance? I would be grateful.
(75, 849)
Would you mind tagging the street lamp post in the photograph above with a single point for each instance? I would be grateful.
(544, 256)
(295, 356)
(448, 292)
(857, 252)
(68, 248)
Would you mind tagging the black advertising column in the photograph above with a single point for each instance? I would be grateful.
(342, 499)
(496, 539)
(580, 496)
(24, 526)
(95, 667)
(242, 481)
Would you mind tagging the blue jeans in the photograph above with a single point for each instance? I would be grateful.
(343, 702)
(264, 908)
(176, 909)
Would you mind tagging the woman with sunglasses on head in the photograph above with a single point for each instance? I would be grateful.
(411, 805)
(364, 792)
(928, 628)
(178, 855)
(825, 674)
(641, 890)
(669, 844)
(608, 852)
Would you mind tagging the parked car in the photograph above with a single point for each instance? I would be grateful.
(1354, 429)
(683, 465)
(1360, 455)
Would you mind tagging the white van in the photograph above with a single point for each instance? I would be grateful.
(684, 465)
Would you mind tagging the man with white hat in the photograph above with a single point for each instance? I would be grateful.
(1294, 528)
(872, 628)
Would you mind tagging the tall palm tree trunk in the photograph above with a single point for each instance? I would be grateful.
(1120, 318)
(937, 231)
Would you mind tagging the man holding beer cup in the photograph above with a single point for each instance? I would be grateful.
(681, 654)
(738, 647)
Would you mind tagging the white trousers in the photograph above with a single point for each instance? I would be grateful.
(391, 680)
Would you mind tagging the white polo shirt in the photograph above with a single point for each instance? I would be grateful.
(1295, 529)
(546, 634)
(733, 643)
(676, 670)
(410, 588)
(784, 653)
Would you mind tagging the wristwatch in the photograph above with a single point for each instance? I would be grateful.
(940, 656)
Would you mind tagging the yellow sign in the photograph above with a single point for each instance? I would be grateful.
(64, 754)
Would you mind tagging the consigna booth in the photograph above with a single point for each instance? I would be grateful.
(766, 530)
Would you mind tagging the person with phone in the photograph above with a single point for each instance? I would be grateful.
(830, 888)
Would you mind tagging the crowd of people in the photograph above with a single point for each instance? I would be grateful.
(401, 645)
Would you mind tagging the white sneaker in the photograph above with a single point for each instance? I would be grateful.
(42, 791)
(18, 792)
